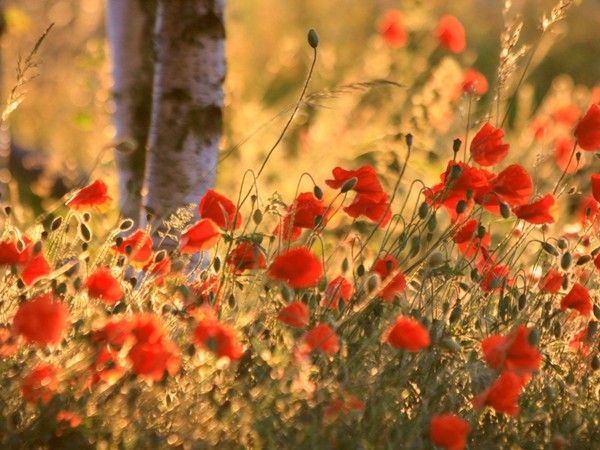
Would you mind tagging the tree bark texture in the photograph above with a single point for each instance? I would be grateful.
(130, 31)
(187, 103)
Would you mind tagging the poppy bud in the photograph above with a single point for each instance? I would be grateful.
(37, 248)
(8, 210)
(217, 263)
(595, 362)
(504, 210)
(556, 329)
(313, 38)
(409, 140)
(432, 224)
(257, 216)
(126, 225)
(86, 216)
(287, 293)
(160, 255)
(423, 210)
(345, 265)
(562, 244)
(456, 314)
(583, 259)
(566, 260)
(591, 329)
(84, 232)
(349, 185)
(461, 206)
(549, 248)
(415, 244)
(534, 337)
(318, 192)
(456, 145)
(231, 301)
(597, 312)
(373, 283)
(480, 231)
(522, 301)
(436, 259)
(56, 223)
(455, 172)
(360, 270)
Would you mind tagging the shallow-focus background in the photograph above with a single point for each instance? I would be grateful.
(66, 109)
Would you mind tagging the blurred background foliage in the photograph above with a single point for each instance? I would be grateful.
(66, 109)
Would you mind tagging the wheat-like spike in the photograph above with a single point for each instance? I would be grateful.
(558, 13)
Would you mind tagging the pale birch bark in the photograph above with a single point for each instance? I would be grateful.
(187, 104)
(130, 25)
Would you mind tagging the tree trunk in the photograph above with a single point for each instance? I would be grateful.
(130, 29)
(187, 104)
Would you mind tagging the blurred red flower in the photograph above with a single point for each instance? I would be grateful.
(147, 328)
(449, 432)
(578, 299)
(552, 281)
(367, 181)
(295, 314)
(35, 268)
(246, 256)
(451, 34)
(503, 394)
(494, 276)
(566, 115)
(137, 248)
(93, 197)
(581, 342)
(41, 320)
(8, 343)
(467, 240)
(297, 267)
(217, 337)
(103, 286)
(114, 333)
(587, 131)
(390, 287)
(220, 210)
(487, 148)
(152, 360)
(596, 186)
(563, 149)
(106, 367)
(337, 289)
(203, 235)
(15, 252)
(374, 207)
(322, 338)
(392, 29)
(206, 293)
(305, 210)
(408, 334)
(68, 418)
(338, 407)
(40, 384)
(474, 82)
(512, 352)
(541, 211)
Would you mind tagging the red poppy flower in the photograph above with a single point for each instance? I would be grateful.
(375, 207)
(596, 186)
(456, 181)
(587, 131)
(67, 418)
(92, 197)
(567, 115)
(160, 269)
(581, 343)
(35, 268)
(297, 267)
(563, 155)
(218, 337)
(147, 328)
(322, 338)
(494, 277)
(8, 343)
(114, 333)
(367, 181)
(137, 247)
(305, 210)
(513, 185)
(337, 289)
(390, 287)
(336, 408)
(103, 286)
(220, 210)
(487, 148)
(578, 299)
(205, 293)
(295, 314)
(408, 334)
(203, 235)
(502, 395)
(552, 281)
(449, 431)
(466, 237)
(40, 384)
(151, 360)
(392, 29)
(474, 82)
(106, 368)
(451, 34)
(512, 352)
(246, 256)
(589, 210)
(41, 320)
(14, 252)
(539, 212)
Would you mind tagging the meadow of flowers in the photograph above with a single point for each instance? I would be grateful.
(372, 309)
